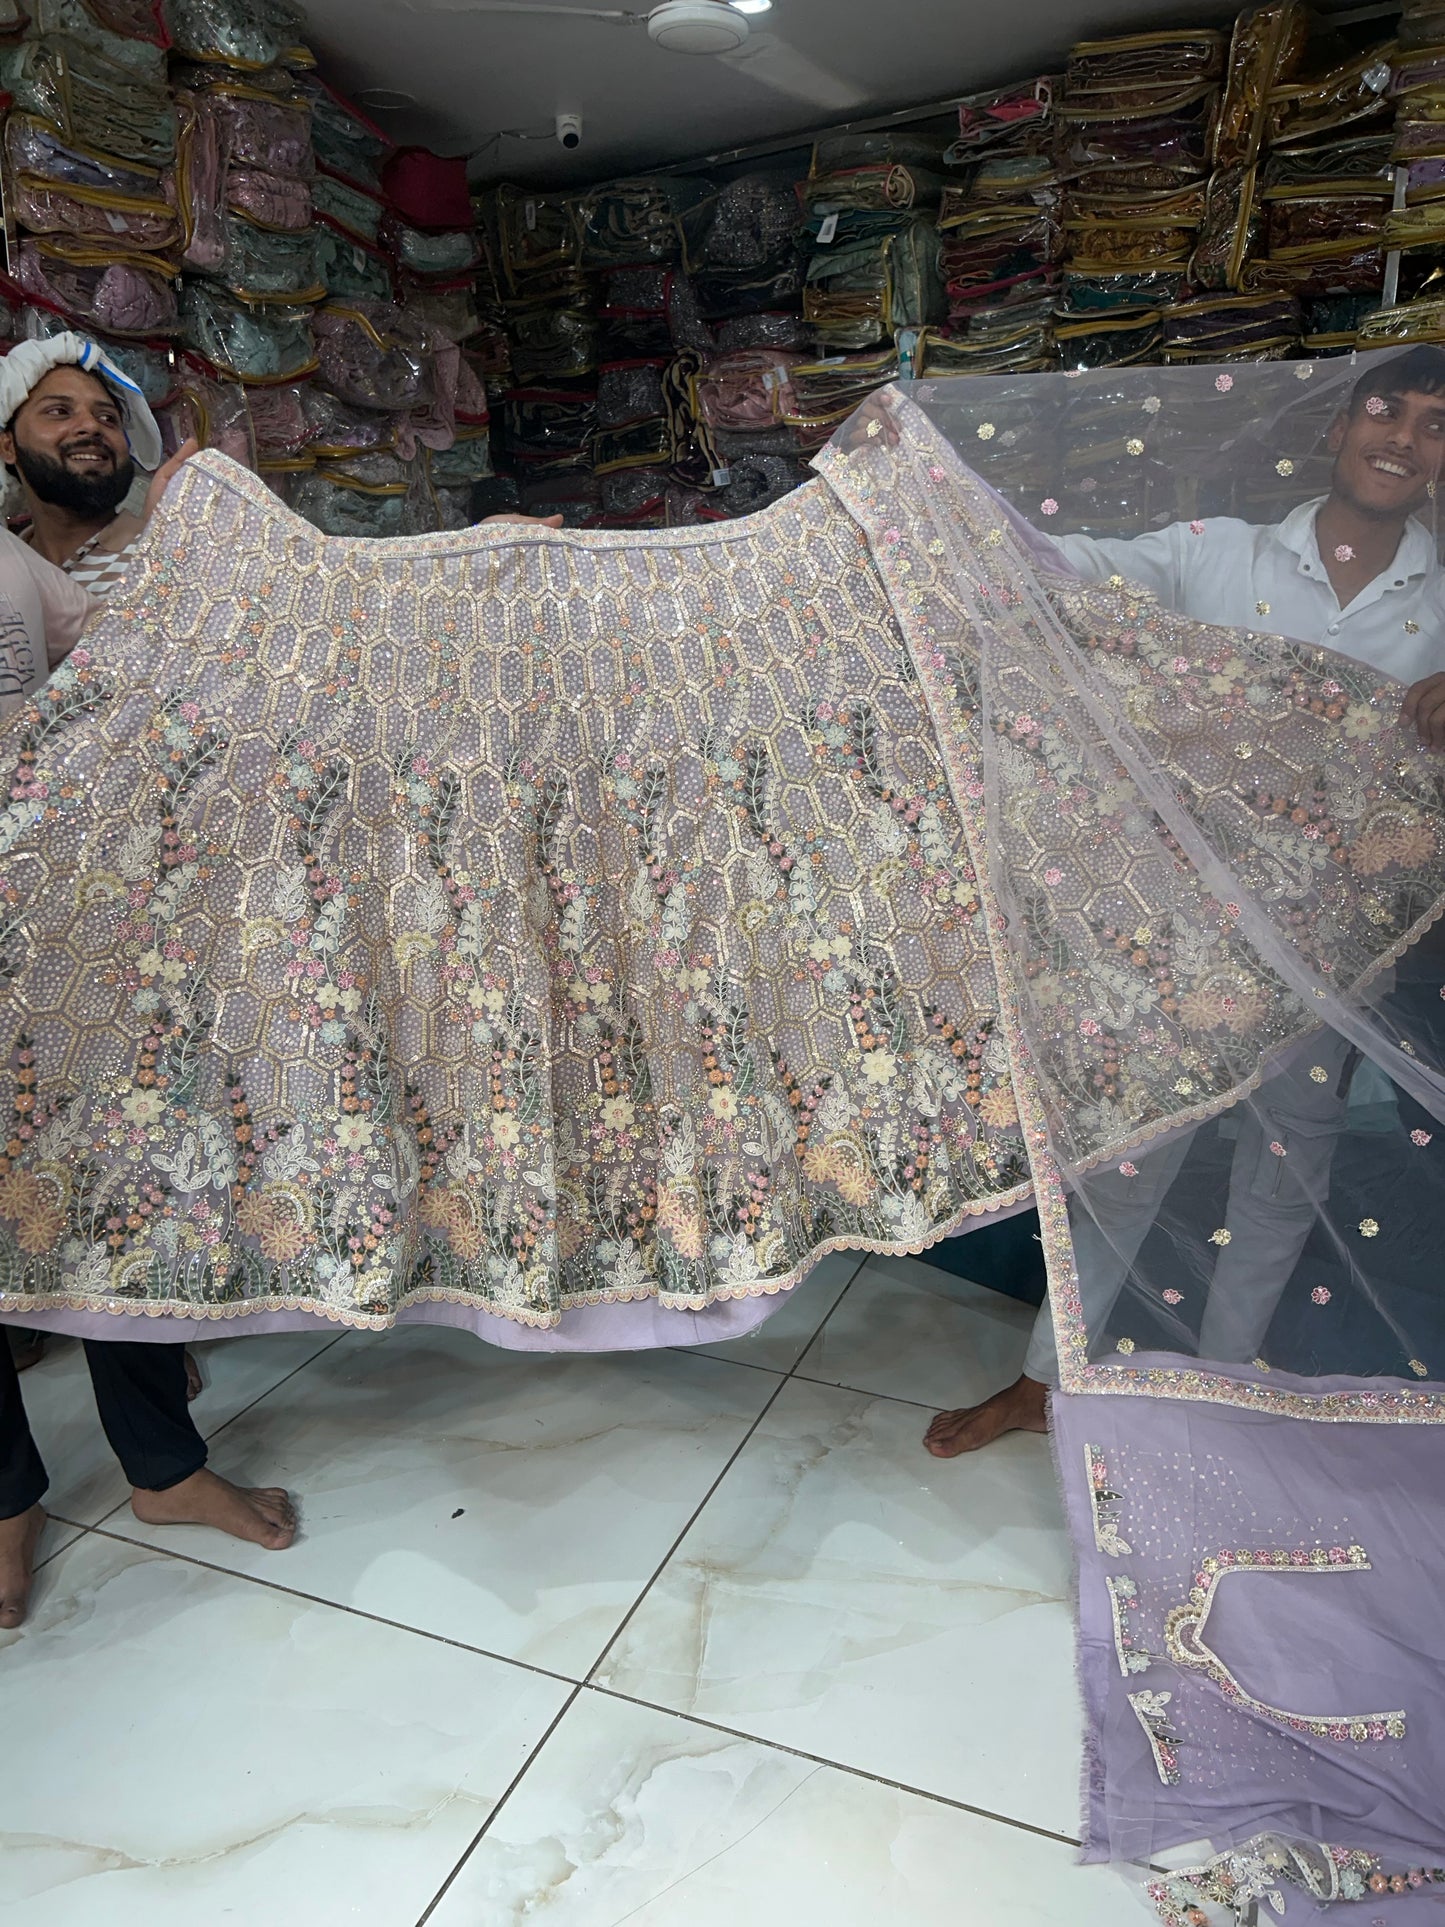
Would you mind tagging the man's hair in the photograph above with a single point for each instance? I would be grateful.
(1419, 371)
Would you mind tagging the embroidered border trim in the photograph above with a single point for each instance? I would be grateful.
(1150, 1709)
(1105, 1505)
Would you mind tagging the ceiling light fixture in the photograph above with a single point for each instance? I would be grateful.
(751, 6)
(382, 100)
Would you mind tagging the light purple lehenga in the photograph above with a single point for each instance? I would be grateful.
(575, 937)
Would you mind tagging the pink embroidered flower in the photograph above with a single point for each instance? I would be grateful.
(1422, 1138)
(892, 537)
(936, 474)
(1224, 383)
(1196, 528)
(1321, 1294)
(1174, 1297)
(81, 658)
(1344, 553)
(1277, 1148)
(1049, 506)
(1127, 1170)
(1053, 876)
(1375, 405)
(1180, 665)
(1231, 909)
(1088, 1027)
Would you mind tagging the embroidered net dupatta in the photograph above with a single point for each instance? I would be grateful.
(517, 928)
(1214, 872)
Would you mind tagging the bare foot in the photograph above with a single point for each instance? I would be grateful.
(194, 1380)
(265, 1516)
(26, 1348)
(1020, 1407)
(18, 1539)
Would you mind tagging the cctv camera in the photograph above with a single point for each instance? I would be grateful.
(569, 130)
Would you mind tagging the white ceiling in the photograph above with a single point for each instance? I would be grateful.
(477, 72)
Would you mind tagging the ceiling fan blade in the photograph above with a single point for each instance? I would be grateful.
(773, 63)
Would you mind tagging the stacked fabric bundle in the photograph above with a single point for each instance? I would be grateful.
(1136, 120)
(749, 271)
(89, 150)
(1417, 86)
(870, 203)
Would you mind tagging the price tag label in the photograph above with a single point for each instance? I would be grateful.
(827, 230)
(529, 215)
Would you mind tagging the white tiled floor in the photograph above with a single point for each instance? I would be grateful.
(676, 1640)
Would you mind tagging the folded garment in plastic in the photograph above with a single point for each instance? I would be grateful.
(628, 391)
(238, 33)
(264, 265)
(1109, 341)
(1118, 291)
(825, 392)
(879, 185)
(747, 389)
(538, 243)
(276, 201)
(335, 428)
(1265, 51)
(1030, 349)
(549, 421)
(448, 308)
(576, 498)
(550, 344)
(128, 32)
(373, 356)
(130, 294)
(1019, 116)
(639, 444)
(349, 270)
(1234, 327)
(342, 138)
(262, 129)
(150, 365)
(1156, 152)
(1141, 70)
(357, 213)
(1305, 226)
(1418, 320)
(749, 291)
(1420, 125)
(1305, 108)
(450, 253)
(468, 460)
(279, 421)
(755, 480)
(754, 223)
(770, 329)
(876, 147)
(658, 219)
(211, 411)
(1331, 272)
(337, 505)
(34, 147)
(636, 496)
(257, 345)
(91, 101)
(1333, 167)
(1421, 226)
(147, 223)
(1231, 229)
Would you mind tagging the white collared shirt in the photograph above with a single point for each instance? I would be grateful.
(1243, 576)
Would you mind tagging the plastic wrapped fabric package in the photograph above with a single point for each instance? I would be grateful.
(550, 426)
(1231, 229)
(538, 243)
(453, 506)
(779, 330)
(352, 210)
(97, 216)
(435, 254)
(91, 101)
(336, 428)
(279, 422)
(247, 344)
(150, 365)
(635, 497)
(881, 185)
(351, 271)
(373, 357)
(262, 130)
(754, 223)
(1140, 74)
(265, 265)
(1017, 118)
(237, 33)
(825, 392)
(746, 389)
(1108, 340)
(573, 496)
(551, 344)
(337, 505)
(275, 201)
(114, 294)
(448, 309)
(1350, 95)
(1265, 51)
(211, 411)
(1240, 327)
(639, 444)
(749, 291)
(629, 391)
(343, 140)
(472, 407)
(466, 462)
(34, 150)
(627, 222)
(131, 33)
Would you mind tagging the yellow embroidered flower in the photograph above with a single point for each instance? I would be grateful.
(997, 1107)
(19, 1191)
(283, 1239)
(149, 962)
(143, 1107)
(1360, 722)
(41, 1225)
(722, 1102)
(820, 950)
(753, 915)
(354, 1133)
(255, 1213)
(679, 1218)
(822, 1164)
(506, 1131)
(879, 1066)
(175, 970)
(618, 1113)
(855, 1186)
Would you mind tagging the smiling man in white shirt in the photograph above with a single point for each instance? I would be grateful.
(1354, 571)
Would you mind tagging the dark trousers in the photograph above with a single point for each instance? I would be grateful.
(140, 1393)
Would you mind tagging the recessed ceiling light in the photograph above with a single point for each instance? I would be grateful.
(751, 6)
(385, 99)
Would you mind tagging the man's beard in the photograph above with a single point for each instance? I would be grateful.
(62, 488)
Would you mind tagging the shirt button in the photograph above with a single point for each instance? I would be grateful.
(1334, 629)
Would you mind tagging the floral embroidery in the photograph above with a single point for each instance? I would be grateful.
(1152, 1712)
(1105, 1503)
(1123, 1595)
(1260, 1871)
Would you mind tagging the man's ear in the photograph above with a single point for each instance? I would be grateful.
(7, 448)
(1335, 441)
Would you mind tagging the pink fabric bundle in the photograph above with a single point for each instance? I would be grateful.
(749, 388)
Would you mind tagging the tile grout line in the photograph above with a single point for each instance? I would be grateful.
(838, 1766)
(317, 1599)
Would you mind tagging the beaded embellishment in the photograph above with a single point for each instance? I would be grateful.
(1260, 1871)
(1184, 1638)
(1152, 1712)
(1123, 1595)
(1106, 1506)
